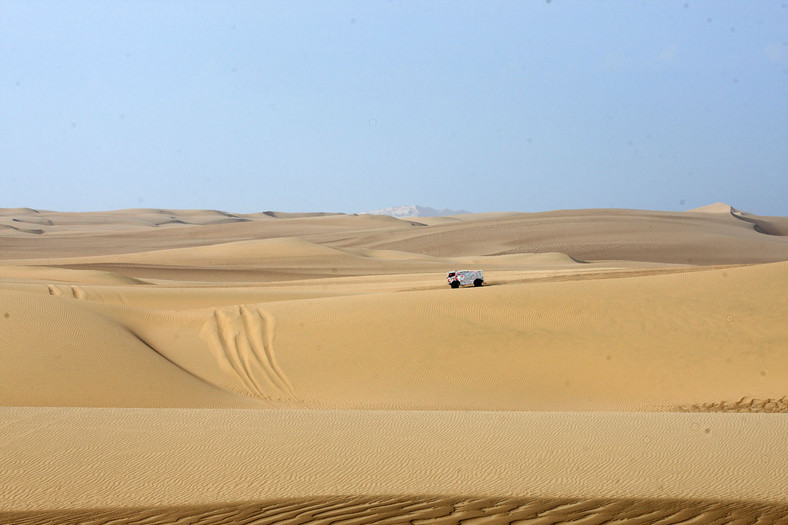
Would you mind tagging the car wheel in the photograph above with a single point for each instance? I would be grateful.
(478, 282)
(455, 284)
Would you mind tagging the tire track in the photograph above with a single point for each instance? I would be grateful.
(68, 291)
(242, 337)
(745, 404)
(260, 325)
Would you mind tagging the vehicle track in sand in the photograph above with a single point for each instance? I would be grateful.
(66, 290)
(242, 337)
(767, 405)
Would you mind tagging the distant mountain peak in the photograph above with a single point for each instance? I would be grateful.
(414, 210)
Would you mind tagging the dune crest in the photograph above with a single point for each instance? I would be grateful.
(717, 207)
(766, 225)
(48, 274)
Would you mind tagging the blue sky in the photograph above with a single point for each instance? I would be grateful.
(352, 106)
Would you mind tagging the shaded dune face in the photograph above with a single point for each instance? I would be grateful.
(766, 225)
(165, 365)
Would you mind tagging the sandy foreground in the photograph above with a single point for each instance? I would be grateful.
(165, 365)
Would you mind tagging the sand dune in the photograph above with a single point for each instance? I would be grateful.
(665, 237)
(273, 259)
(240, 253)
(203, 365)
(126, 232)
(765, 225)
(145, 457)
(530, 346)
(49, 274)
(423, 509)
(21, 229)
(682, 238)
(717, 207)
(116, 220)
(516, 345)
(60, 351)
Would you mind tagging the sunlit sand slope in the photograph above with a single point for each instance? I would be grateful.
(630, 343)
(658, 342)
(59, 350)
(78, 458)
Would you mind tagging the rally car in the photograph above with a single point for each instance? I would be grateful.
(465, 277)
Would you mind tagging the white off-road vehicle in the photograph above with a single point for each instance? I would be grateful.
(465, 277)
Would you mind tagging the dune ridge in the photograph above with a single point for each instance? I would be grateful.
(765, 225)
(717, 207)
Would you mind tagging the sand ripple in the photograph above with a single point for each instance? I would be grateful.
(424, 510)
(72, 458)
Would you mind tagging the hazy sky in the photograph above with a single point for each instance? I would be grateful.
(352, 106)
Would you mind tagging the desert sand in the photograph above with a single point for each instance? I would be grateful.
(197, 365)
